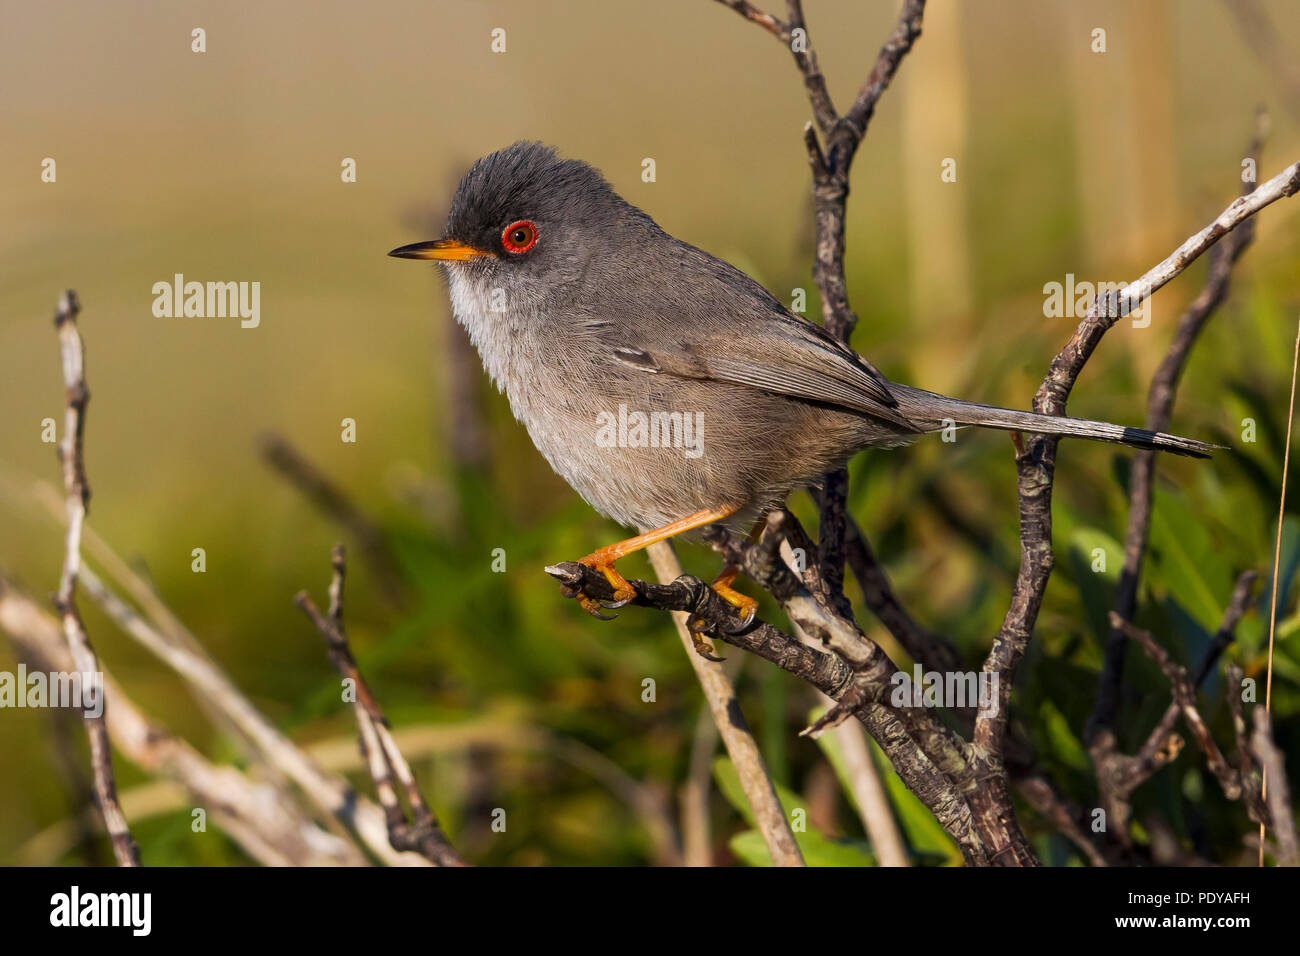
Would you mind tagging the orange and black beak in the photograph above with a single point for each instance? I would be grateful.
(448, 250)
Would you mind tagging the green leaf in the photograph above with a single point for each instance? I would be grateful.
(1187, 562)
(1088, 540)
(817, 848)
(1064, 743)
(1290, 562)
(1095, 559)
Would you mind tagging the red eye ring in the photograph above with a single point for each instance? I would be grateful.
(519, 237)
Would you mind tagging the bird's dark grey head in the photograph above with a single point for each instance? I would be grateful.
(525, 212)
(526, 182)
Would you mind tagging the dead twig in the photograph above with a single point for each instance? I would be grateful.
(1278, 796)
(1036, 460)
(264, 820)
(693, 796)
(869, 794)
(329, 792)
(830, 164)
(84, 661)
(420, 834)
(923, 751)
(1119, 774)
(724, 705)
(1185, 696)
(1160, 403)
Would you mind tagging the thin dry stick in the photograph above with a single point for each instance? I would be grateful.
(1277, 562)
(127, 577)
(826, 671)
(933, 650)
(740, 744)
(1269, 758)
(830, 162)
(423, 833)
(261, 818)
(873, 803)
(1118, 775)
(146, 598)
(1036, 459)
(330, 793)
(1185, 694)
(697, 847)
(1255, 806)
(71, 453)
(1160, 402)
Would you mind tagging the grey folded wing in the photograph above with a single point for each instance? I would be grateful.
(782, 354)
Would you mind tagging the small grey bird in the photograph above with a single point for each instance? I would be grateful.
(667, 387)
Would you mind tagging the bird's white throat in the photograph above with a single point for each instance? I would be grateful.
(503, 342)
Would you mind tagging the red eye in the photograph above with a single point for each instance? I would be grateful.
(519, 236)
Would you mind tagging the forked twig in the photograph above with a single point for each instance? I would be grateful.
(1036, 458)
(1185, 696)
(724, 705)
(77, 492)
(1160, 403)
(422, 833)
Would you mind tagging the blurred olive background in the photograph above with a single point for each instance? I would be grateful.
(226, 166)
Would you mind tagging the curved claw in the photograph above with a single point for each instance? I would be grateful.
(615, 605)
(745, 622)
(593, 608)
(698, 627)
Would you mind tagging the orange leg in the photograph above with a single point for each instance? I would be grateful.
(603, 559)
(722, 584)
(747, 606)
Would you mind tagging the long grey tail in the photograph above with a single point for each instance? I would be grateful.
(933, 412)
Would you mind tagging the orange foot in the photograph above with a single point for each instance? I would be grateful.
(603, 562)
(747, 606)
(603, 559)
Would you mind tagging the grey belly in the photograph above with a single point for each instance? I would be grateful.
(648, 450)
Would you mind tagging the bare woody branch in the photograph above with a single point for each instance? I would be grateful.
(330, 793)
(1185, 697)
(831, 164)
(867, 665)
(1281, 815)
(264, 820)
(934, 651)
(1036, 458)
(869, 794)
(1160, 402)
(1107, 310)
(965, 784)
(843, 133)
(1252, 783)
(855, 673)
(724, 706)
(384, 759)
(176, 648)
(77, 492)
(1161, 746)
